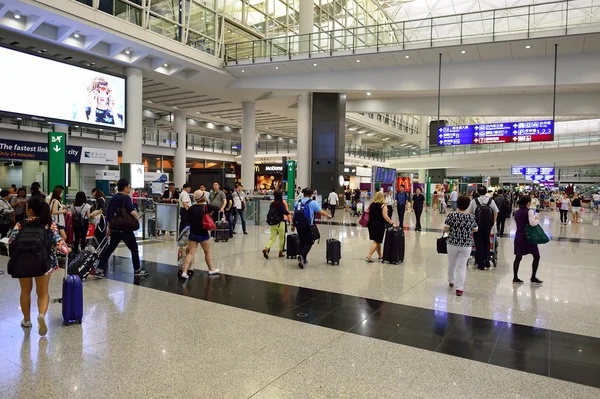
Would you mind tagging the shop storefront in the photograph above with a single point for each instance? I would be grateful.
(268, 177)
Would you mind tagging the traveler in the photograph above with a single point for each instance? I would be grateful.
(525, 216)
(58, 210)
(454, 198)
(7, 214)
(363, 198)
(35, 191)
(239, 202)
(13, 189)
(216, 199)
(98, 215)
(442, 202)
(19, 203)
(389, 201)
(119, 201)
(198, 234)
(348, 198)
(184, 204)
(298, 192)
(501, 202)
(81, 219)
(402, 199)
(229, 209)
(276, 221)
(134, 197)
(304, 219)
(418, 204)
(596, 199)
(171, 195)
(460, 227)
(332, 200)
(565, 207)
(535, 203)
(38, 216)
(486, 212)
(378, 221)
(49, 196)
(576, 207)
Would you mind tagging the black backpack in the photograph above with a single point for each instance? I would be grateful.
(506, 207)
(302, 215)
(484, 215)
(30, 251)
(78, 220)
(274, 216)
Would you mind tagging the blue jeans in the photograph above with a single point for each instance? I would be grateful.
(454, 205)
(242, 213)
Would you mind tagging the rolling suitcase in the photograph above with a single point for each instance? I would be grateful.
(86, 261)
(72, 299)
(152, 227)
(222, 232)
(69, 227)
(293, 246)
(393, 246)
(334, 248)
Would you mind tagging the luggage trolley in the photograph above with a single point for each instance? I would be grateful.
(493, 256)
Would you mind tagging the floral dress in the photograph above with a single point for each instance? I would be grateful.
(56, 242)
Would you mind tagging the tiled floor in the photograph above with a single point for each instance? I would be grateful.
(143, 342)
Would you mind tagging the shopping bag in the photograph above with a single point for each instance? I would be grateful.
(535, 235)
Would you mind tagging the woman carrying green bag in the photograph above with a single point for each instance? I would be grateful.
(526, 238)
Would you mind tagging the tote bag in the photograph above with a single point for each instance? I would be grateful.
(364, 218)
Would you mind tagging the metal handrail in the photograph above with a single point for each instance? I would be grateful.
(421, 32)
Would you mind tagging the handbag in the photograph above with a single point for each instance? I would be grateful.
(364, 218)
(124, 221)
(442, 244)
(315, 233)
(535, 234)
(208, 223)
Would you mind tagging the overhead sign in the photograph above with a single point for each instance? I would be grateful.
(384, 175)
(536, 174)
(28, 150)
(495, 133)
(108, 175)
(262, 168)
(98, 156)
(57, 173)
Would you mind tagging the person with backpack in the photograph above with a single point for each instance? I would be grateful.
(486, 212)
(80, 221)
(121, 216)
(276, 221)
(7, 214)
(304, 222)
(504, 211)
(33, 245)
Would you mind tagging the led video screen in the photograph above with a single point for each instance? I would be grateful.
(53, 91)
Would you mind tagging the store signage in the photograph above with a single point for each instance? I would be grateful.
(350, 170)
(156, 177)
(495, 133)
(108, 175)
(28, 150)
(261, 168)
(99, 156)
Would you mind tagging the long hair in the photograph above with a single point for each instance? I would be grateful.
(57, 194)
(80, 198)
(41, 209)
(99, 194)
(379, 198)
(277, 199)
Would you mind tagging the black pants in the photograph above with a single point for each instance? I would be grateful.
(564, 216)
(80, 240)
(229, 218)
(128, 237)
(332, 209)
(418, 212)
(482, 248)
(306, 242)
(390, 210)
(401, 212)
(182, 219)
(500, 224)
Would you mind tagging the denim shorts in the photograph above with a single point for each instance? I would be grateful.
(198, 238)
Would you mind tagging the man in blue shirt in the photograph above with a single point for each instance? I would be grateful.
(305, 233)
(120, 200)
(402, 199)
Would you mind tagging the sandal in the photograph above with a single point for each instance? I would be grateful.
(369, 260)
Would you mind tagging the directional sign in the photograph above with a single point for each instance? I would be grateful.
(493, 133)
(57, 146)
(536, 174)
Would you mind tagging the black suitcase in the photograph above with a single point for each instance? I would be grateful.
(86, 261)
(334, 251)
(152, 227)
(393, 246)
(222, 233)
(293, 246)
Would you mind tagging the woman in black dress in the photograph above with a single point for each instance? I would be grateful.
(418, 206)
(378, 221)
(523, 217)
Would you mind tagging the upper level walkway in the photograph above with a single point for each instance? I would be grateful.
(557, 18)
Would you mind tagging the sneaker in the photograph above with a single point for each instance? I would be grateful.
(517, 281)
(140, 272)
(459, 293)
(99, 274)
(451, 285)
(214, 271)
(185, 276)
(535, 280)
(42, 328)
(300, 263)
(245, 233)
(26, 324)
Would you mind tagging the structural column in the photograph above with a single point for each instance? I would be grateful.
(356, 140)
(133, 138)
(304, 140)
(305, 24)
(180, 154)
(248, 144)
(423, 131)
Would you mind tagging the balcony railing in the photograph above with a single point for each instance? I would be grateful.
(550, 19)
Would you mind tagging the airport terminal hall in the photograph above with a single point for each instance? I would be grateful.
(300, 199)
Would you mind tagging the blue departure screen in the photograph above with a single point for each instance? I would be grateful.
(494, 133)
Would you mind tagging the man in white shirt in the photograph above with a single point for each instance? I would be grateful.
(486, 213)
(333, 200)
(239, 202)
(184, 204)
(454, 198)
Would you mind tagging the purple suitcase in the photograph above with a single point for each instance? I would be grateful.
(72, 300)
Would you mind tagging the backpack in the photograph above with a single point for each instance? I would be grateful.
(302, 215)
(78, 221)
(30, 251)
(484, 215)
(506, 207)
(274, 216)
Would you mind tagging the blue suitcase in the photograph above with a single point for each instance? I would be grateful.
(72, 300)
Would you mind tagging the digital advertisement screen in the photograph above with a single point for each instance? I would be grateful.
(137, 175)
(57, 92)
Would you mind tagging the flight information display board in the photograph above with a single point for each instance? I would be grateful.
(495, 133)
(537, 174)
(384, 175)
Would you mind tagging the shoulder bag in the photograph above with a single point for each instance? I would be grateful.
(208, 223)
(364, 218)
(535, 234)
(124, 221)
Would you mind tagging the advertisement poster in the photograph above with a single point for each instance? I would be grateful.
(28, 150)
(403, 181)
(137, 175)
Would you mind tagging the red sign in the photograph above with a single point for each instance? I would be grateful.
(403, 181)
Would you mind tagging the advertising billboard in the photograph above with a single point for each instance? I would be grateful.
(53, 91)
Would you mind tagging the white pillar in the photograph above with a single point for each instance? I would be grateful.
(304, 140)
(356, 139)
(305, 23)
(423, 131)
(248, 145)
(180, 154)
(132, 139)
(386, 146)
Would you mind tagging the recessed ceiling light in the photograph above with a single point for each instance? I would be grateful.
(243, 71)
(175, 108)
(528, 46)
(127, 52)
(165, 65)
(76, 35)
(197, 112)
(407, 56)
(463, 52)
(314, 64)
(266, 127)
(17, 15)
(368, 93)
(276, 67)
(149, 101)
(357, 60)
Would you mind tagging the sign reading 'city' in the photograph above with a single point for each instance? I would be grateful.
(494, 133)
